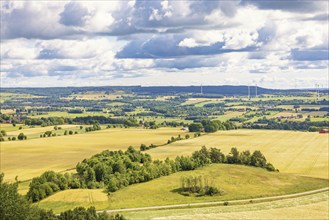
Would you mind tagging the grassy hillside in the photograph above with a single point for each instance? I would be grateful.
(302, 153)
(307, 207)
(30, 158)
(237, 182)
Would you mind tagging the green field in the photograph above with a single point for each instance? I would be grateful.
(30, 158)
(303, 153)
(310, 207)
(69, 115)
(237, 182)
(5, 96)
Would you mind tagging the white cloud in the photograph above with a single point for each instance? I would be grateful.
(188, 42)
(181, 42)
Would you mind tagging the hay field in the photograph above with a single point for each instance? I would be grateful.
(237, 182)
(303, 153)
(38, 130)
(10, 127)
(30, 158)
(310, 207)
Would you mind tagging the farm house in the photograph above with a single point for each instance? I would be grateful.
(324, 131)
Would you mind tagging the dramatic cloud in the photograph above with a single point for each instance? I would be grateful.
(160, 42)
(74, 14)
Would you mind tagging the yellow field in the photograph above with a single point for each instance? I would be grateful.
(30, 158)
(10, 127)
(37, 130)
(81, 195)
(303, 153)
(237, 182)
(193, 101)
(310, 207)
(7, 111)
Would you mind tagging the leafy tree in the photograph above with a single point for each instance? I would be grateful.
(21, 137)
(195, 127)
(258, 159)
(216, 156)
(143, 147)
(12, 205)
(233, 157)
(80, 213)
(3, 133)
(201, 157)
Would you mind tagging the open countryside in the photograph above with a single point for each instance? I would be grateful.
(216, 150)
(162, 109)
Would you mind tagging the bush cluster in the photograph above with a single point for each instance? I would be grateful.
(95, 127)
(211, 126)
(200, 186)
(51, 182)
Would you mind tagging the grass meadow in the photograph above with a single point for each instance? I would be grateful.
(306, 207)
(237, 182)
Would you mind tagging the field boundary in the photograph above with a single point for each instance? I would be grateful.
(228, 202)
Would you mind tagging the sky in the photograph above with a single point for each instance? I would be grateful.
(273, 44)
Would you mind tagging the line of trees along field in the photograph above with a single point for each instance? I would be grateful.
(211, 126)
(117, 169)
(264, 123)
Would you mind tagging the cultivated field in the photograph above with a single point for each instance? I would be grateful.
(303, 153)
(237, 182)
(30, 158)
(38, 130)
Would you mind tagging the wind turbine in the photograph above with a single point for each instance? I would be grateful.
(248, 92)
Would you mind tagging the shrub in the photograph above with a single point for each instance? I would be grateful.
(21, 137)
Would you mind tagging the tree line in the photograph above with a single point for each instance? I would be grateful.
(264, 123)
(114, 170)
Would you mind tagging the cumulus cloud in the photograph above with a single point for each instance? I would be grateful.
(74, 14)
(138, 41)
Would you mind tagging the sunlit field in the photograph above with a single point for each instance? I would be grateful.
(30, 158)
(303, 153)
